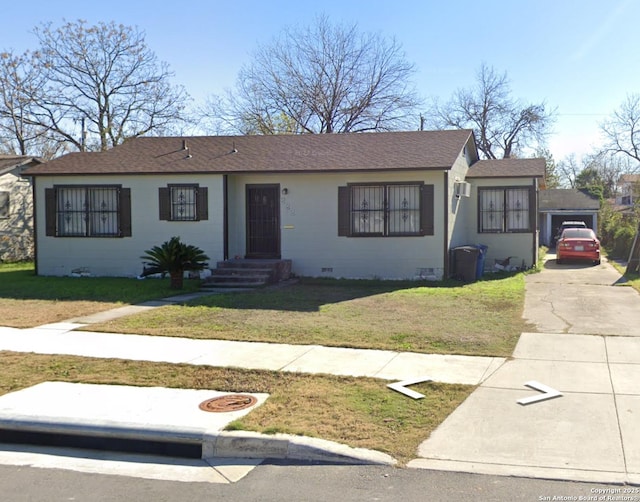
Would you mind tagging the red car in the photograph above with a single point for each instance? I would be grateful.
(578, 244)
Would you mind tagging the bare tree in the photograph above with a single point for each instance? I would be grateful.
(20, 88)
(568, 169)
(104, 78)
(609, 168)
(600, 168)
(502, 125)
(622, 129)
(322, 79)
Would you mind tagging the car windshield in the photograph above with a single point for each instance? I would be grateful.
(578, 233)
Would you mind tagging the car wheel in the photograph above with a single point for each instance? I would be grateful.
(596, 262)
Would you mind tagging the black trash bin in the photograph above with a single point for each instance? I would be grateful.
(465, 260)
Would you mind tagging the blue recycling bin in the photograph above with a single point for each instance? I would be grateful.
(481, 259)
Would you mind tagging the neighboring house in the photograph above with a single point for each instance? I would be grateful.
(629, 190)
(565, 204)
(16, 208)
(387, 205)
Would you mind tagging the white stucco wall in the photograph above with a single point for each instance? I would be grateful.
(309, 228)
(522, 247)
(16, 230)
(459, 214)
(122, 256)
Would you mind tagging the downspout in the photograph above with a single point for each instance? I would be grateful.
(35, 224)
(445, 235)
(225, 217)
(536, 229)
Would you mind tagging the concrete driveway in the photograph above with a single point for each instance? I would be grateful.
(581, 298)
(587, 347)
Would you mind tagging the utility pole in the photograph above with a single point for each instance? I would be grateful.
(633, 264)
(83, 137)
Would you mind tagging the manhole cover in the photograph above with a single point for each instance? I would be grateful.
(230, 402)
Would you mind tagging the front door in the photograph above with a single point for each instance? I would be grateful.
(263, 221)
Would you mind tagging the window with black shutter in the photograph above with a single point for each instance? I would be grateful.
(88, 211)
(185, 202)
(385, 210)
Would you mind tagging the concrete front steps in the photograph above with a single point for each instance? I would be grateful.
(248, 273)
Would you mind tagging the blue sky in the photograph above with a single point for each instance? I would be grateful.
(579, 56)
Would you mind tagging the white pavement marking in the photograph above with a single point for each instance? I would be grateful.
(547, 393)
(402, 387)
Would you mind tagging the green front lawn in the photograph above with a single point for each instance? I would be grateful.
(482, 318)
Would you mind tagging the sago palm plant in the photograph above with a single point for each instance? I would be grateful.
(175, 257)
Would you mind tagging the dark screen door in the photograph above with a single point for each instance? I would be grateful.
(263, 221)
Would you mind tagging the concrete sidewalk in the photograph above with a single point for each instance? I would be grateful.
(67, 338)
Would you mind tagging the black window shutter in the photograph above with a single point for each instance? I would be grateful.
(533, 210)
(164, 203)
(202, 203)
(426, 210)
(344, 211)
(125, 212)
(50, 211)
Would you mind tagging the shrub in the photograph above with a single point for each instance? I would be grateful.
(175, 257)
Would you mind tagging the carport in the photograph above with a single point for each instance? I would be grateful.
(565, 204)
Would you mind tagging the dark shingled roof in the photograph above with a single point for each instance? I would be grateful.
(10, 162)
(508, 168)
(568, 199)
(279, 153)
(630, 178)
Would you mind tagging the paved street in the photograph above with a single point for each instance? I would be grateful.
(276, 482)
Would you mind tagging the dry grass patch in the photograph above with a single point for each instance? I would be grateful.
(30, 313)
(27, 300)
(360, 412)
(483, 318)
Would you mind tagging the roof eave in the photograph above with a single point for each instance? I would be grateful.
(239, 172)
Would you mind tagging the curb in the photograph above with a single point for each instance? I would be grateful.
(192, 443)
(247, 444)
